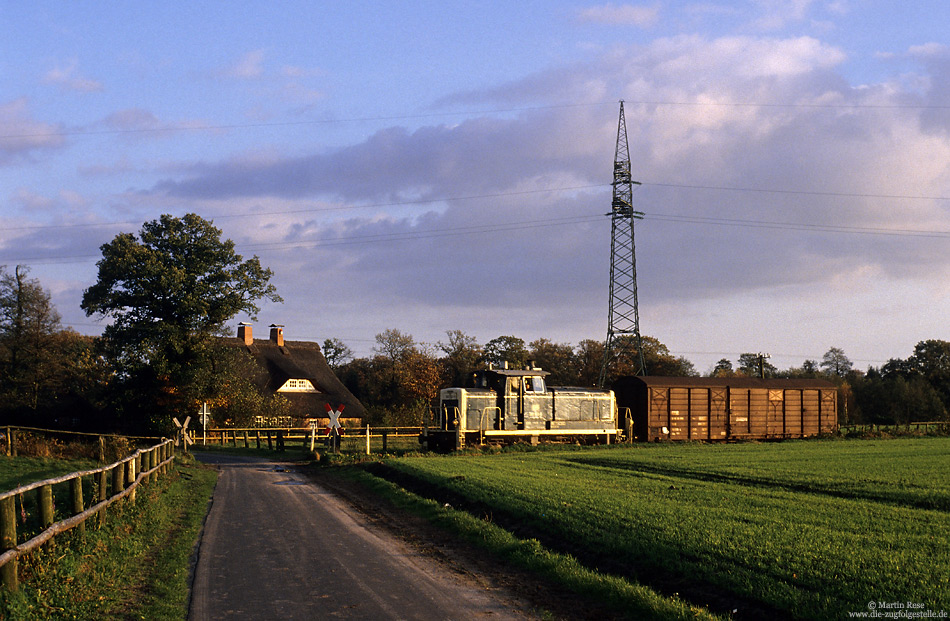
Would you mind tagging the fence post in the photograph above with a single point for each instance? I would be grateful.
(118, 479)
(258, 439)
(8, 573)
(102, 495)
(130, 478)
(46, 505)
(75, 490)
(385, 440)
(9, 441)
(12, 441)
(367, 439)
(247, 442)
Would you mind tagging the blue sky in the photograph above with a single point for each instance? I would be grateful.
(434, 166)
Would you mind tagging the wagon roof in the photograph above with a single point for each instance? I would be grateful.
(722, 382)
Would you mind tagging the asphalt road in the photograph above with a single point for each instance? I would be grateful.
(278, 546)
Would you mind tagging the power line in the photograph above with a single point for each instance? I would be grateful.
(449, 199)
(529, 224)
(229, 126)
(402, 117)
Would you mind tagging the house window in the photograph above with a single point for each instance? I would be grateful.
(297, 385)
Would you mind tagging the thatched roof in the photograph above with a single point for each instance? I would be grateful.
(299, 360)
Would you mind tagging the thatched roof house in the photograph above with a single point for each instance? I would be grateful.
(298, 371)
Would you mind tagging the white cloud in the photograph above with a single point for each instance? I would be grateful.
(623, 14)
(929, 50)
(250, 66)
(21, 135)
(70, 79)
(777, 14)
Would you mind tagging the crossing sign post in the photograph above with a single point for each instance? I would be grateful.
(182, 435)
(204, 415)
(334, 426)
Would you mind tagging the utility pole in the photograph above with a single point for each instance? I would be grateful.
(623, 323)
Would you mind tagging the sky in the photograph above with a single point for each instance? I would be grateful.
(437, 166)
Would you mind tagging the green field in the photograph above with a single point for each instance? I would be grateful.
(804, 529)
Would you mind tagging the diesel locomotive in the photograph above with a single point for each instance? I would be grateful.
(506, 405)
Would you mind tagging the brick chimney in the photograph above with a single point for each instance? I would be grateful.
(277, 334)
(245, 333)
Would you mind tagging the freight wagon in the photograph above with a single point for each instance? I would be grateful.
(703, 408)
(517, 404)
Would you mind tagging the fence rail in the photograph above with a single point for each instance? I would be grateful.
(922, 426)
(370, 439)
(125, 475)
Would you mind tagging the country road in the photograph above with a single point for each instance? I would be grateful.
(278, 546)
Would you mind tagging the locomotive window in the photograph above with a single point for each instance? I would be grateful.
(534, 384)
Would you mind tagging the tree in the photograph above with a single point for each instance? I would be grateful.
(28, 324)
(393, 344)
(462, 356)
(656, 357)
(723, 368)
(336, 353)
(931, 359)
(589, 356)
(508, 349)
(835, 363)
(756, 365)
(557, 359)
(168, 292)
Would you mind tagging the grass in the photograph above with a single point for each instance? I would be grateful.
(798, 529)
(16, 471)
(135, 567)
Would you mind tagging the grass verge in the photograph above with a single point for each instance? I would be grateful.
(136, 566)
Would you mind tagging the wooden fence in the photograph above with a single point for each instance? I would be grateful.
(354, 439)
(111, 484)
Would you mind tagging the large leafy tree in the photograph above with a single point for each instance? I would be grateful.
(656, 356)
(558, 359)
(510, 349)
(168, 291)
(756, 365)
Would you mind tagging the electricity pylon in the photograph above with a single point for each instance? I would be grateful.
(623, 322)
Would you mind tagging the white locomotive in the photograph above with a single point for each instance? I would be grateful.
(516, 404)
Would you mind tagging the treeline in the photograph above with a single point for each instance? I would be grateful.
(400, 383)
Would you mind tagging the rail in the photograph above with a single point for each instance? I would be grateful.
(125, 475)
